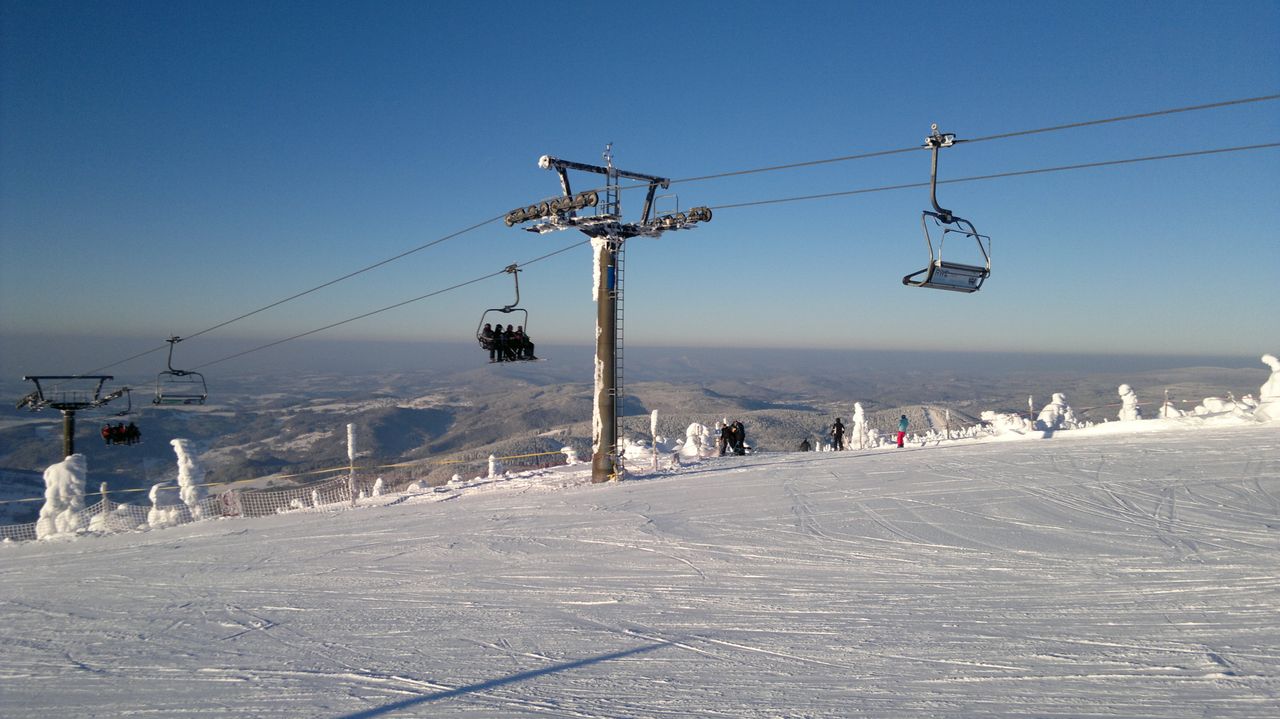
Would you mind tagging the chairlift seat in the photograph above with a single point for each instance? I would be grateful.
(172, 399)
(954, 276)
(943, 275)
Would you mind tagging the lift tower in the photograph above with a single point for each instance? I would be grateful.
(608, 233)
(69, 401)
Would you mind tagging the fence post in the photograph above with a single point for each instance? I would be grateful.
(351, 457)
(653, 436)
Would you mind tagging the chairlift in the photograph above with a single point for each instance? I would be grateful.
(942, 274)
(119, 434)
(486, 342)
(177, 386)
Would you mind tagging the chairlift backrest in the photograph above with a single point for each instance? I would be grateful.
(484, 318)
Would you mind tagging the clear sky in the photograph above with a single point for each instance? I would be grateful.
(166, 167)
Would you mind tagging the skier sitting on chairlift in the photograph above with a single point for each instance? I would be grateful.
(489, 341)
(523, 345)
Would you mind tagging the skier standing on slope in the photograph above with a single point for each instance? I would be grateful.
(739, 438)
(902, 430)
(837, 436)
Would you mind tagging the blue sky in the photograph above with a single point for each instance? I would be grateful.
(165, 167)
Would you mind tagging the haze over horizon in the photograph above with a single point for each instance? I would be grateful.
(22, 355)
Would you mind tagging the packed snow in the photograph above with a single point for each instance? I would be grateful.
(1128, 569)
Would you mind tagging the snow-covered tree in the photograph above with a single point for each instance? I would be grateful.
(166, 509)
(1269, 394)
(697, 441)
(1057, 415)
(63, 498)
(1007, 422)
(1129, 409)
(190, 477)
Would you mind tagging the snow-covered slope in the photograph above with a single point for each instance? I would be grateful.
(1099, 573)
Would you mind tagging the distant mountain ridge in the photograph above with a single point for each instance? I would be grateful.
(265, 425)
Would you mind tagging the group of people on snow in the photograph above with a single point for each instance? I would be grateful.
(120, 434)
(733, 436)
(506, 345)
(837, 435)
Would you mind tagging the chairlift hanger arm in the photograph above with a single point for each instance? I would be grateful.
(934, 142)
(175, 372)
(514, 271)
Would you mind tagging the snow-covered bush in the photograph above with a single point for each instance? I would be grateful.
(1057, 415)
(1007, 423)
(167, 509)
(122, 518)
(63, 498)
(190, 477)
(1213, 405)
(1269, 395)
(1129, 409)
(698, 442)
(570, 456)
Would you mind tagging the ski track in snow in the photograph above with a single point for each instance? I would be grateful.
(1114, 576)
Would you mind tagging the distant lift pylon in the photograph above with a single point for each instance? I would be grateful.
(941, 274)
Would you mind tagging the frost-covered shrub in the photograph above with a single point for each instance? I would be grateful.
(1269, 395)
(1007, 423)
(698, 442)
(63, 498)
(190, 477)
(1129, 409)
(167, 509)
(1057, 415)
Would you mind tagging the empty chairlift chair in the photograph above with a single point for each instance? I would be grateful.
(177, 386)
(941, 274)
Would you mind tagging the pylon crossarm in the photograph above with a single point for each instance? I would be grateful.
(72, 400)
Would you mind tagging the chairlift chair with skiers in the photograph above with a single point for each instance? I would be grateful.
(178, 386)
(942, 274)
(500, 312)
